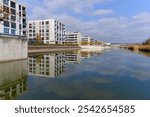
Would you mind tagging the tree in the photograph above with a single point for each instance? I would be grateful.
(38, 39)
(147, 42)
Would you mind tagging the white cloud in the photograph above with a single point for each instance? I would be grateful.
(112, 29)
(103, 12)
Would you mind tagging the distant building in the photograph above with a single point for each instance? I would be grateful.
(73, 38)
(49, 31)
(12, 18)
(86, 40)
(49, 65)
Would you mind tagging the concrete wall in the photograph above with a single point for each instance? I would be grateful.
(12, 48)
(13, 79)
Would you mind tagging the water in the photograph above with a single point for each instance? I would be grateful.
(91, 75)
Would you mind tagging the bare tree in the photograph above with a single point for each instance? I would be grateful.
(38, 39)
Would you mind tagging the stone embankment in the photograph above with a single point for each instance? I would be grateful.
(46, 49)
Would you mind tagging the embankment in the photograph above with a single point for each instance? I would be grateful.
(46, 49)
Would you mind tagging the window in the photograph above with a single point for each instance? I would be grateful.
(30, 31)
(6, 30)
(47, 38)
(13, 31)
(13, 12)
(13, 4)
(19, 7)
(6, 2)
(13, 18)
(47, 34)
(6, 24)
(20, 27)
(47, 22)
(47, 30)
(13, 25)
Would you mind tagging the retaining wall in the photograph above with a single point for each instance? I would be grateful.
(12, 48)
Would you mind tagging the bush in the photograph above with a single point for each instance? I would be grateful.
(147, 42)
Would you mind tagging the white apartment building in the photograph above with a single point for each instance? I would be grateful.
(87, 39)
(73, 38)
(49, 65)
(50, 31)
(12, 18)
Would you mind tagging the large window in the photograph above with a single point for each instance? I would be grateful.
(13, 18)
(6, 30)
(6, 2)
(13, 12)
(13, 4)
(6, 24)
(13, 25)
(13, 31)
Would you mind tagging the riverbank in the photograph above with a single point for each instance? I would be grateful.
(141, 47)
(46, 49)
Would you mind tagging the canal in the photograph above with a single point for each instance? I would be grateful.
(111, 74)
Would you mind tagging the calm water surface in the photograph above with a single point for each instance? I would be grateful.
(110, 74)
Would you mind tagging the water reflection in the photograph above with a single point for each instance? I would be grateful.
(83, 74)
(13, 79)
(52, 65)
(49, 65)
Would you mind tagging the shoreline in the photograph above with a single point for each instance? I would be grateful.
(144, 48)
(47, 49)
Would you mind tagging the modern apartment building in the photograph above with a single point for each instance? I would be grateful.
(87, 40)
(12, 18)
(46, 31)
(73, 38)
(49, 65)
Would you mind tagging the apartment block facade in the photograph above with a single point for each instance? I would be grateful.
(13, 19)
(73, 38)
(48, 31)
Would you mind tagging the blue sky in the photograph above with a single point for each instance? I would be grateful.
(107, 20)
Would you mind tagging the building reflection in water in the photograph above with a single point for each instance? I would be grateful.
(73, 57)
(13, 79)
(87, 53)
(50, 65)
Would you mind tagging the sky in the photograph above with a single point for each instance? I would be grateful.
(115, 21)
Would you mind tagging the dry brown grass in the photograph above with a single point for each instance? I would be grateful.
(138, 47)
